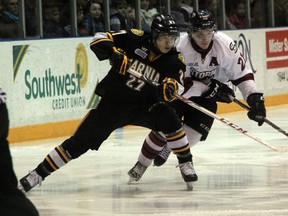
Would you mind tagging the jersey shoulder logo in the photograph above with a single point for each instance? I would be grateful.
(137, 32)
(141, 53)
(181, 57)
(233, 47)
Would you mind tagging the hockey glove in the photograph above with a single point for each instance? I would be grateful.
(2, 96)
(220, 92)
(257, 108)
(119, 61)
(168, 88)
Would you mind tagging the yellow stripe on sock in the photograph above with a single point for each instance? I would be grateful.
(182, 133)
(181, 150)
(50, 163)
(64, 155)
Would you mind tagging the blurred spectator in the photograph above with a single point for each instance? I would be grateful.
(9, 19)
(30, 21)
(82, 3)
(147, 15)
(237, 15)
(186, 9)
(93, 20)
(130, 15)
(81, 28)
(153, 4)
(281, 12)
(256, 14)
(213, 6)
(117, 15)
(178, 15)
(51, 23)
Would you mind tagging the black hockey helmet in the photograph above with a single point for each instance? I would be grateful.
(201, 19)
(164, 24)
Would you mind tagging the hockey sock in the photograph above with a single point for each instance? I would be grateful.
(152, 145)
(53, 161)
(179, 145)
(193, 136)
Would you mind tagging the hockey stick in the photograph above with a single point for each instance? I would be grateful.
(209, 113)
(265, 119)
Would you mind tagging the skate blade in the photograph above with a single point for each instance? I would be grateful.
(189, 186)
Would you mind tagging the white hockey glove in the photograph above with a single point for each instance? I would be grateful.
(257, 108)
(220, 92)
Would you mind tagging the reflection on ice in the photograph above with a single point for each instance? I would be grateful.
(237, 176)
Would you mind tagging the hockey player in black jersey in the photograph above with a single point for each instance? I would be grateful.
(212, 59)
(127, 100)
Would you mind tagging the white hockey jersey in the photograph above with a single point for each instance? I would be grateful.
(223, 62)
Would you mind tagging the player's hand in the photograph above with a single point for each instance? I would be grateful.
(257, 108)
(2, 96)
(220, 92)
(168, 89)
(119, 61)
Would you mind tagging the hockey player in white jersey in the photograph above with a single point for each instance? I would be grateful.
(212, 59)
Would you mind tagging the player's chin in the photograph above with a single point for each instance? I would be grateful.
(204, 46)
(165, 50)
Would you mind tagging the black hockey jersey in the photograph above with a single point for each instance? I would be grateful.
(137, 47)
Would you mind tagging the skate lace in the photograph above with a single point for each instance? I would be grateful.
(33, 178)
(165, 152)
(187, 168)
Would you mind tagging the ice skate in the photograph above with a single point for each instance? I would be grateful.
(188, 173)
(30, 180)
(162, 157)
(136, 172)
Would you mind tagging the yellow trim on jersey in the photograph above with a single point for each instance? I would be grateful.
(153, 56)
(50, 162)
(110, 36)
(100, 40)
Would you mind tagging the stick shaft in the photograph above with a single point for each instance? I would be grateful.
(209, 113)
(228, 123)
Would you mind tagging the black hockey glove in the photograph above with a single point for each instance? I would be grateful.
(257, 108)
(2, 96)
(168, 88)
(220, 92)
(119, 61)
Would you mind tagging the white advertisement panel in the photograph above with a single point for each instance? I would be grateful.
(49, 80)
(54, 80)
(266, 52)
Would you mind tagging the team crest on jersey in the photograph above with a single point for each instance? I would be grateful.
(181, 57)
(137, 32)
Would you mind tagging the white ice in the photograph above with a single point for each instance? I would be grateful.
(237, 175)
